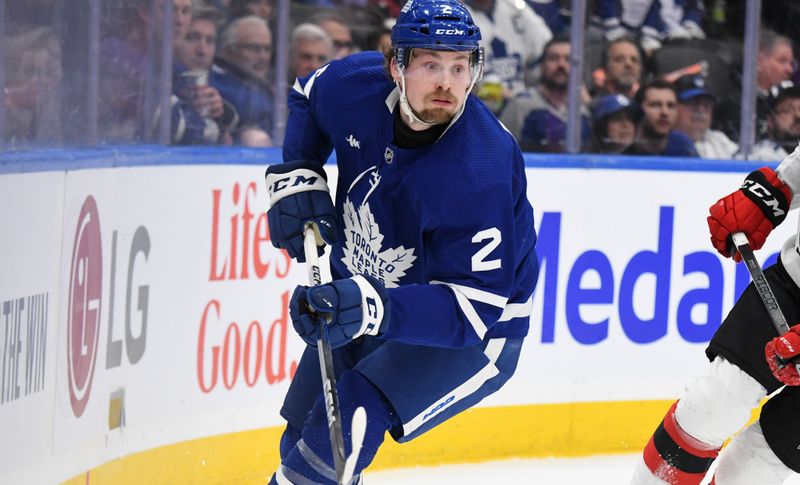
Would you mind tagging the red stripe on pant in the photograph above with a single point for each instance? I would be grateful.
(672, 456)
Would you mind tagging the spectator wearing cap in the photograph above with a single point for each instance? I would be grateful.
(783, 123)
(695, 115)
(538, 116)
(615, 119)
(657, 135)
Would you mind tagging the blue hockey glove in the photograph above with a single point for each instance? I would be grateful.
(298, 194)
(350, 307)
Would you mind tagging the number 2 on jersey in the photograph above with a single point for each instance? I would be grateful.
(479, 262)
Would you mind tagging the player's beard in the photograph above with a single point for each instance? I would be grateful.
(439, 115)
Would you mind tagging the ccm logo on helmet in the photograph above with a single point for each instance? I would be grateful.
(449, 32)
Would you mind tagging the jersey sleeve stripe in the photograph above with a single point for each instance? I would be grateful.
(476, 295)
(516, 310)
(468, 310)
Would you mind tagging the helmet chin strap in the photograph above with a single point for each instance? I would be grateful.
(405, 107)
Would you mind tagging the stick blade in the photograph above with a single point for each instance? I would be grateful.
(359, 429)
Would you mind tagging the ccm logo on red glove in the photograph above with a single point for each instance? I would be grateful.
(764, 188)
(760, 204)
(780, 352)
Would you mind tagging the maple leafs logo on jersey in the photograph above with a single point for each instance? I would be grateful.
(362, 248)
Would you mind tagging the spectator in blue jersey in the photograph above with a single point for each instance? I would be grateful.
(615, 119)
(538, 116)
(653, 21)
(242, 75)
(200, 114)
(657, 136)
(433, 246)
(554, 12)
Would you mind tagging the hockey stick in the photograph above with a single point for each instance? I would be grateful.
(762, 286)
(344, 467)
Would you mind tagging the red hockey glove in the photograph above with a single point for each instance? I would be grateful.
(780, 352)
(760, 204)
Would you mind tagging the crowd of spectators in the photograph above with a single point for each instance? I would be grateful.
(661, 77)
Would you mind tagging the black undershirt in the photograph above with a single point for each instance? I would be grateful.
(405, 137)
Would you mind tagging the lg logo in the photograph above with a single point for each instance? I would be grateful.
(85, 303)
(83, 319)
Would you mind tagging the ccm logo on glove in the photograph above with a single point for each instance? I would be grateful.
(755, 209)
(758, 189)
(298, 195)
(300, 180)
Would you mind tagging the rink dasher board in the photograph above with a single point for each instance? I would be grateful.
(132, 276)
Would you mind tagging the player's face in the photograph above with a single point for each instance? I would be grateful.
(694, 116)
(436, 83)
(197, 49)
(660, 110)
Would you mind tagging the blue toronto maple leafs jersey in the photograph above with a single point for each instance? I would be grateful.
(448, 228)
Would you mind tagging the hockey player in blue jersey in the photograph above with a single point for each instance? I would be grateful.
(431, 221)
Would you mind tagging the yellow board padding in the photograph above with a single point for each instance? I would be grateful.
(480, 434)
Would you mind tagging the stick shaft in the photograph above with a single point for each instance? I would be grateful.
(326, 363)
(760, 282)
(762, 285)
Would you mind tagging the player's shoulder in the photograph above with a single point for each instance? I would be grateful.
(478, 147)
(359, 73)
(479, 130)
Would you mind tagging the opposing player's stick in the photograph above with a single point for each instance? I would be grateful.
(762, 286)
(344, 467)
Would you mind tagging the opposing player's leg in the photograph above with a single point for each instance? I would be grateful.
(748, 459)
(711, 409)
(717, 405)
(767, 451)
